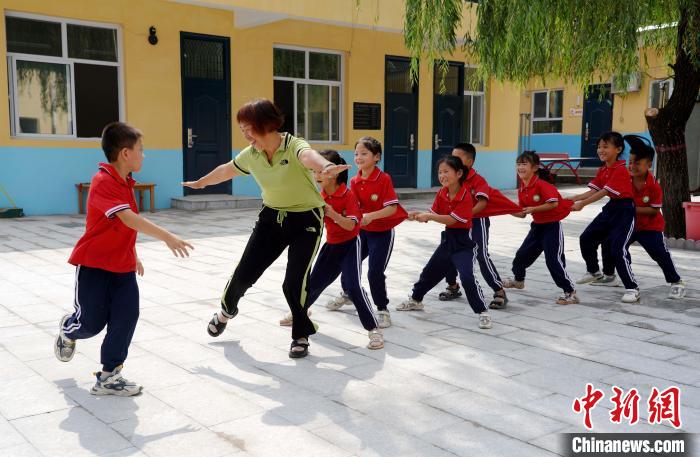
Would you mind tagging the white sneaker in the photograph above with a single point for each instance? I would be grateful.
(63, 347)
(376, 339)
(338, 302)
(677, 290)
(606, 280)
(510, 283)
(384, 318)
(115, 384)
(484, 320)
(568, 298)
(631, 296)
(287, 320)
(589, 277)
(410, 305)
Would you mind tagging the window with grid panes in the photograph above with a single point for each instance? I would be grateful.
(307, 88)
(547, 111)
(64, 76)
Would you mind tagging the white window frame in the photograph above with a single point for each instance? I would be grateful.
(534, 119)
(318, 82)
(12, 58)
(670, 82)
(483, 108)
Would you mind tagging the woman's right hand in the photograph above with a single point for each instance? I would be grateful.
(193, 184)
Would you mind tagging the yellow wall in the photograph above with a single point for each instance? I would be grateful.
(152, 85)
(151, 73)
(628, 109)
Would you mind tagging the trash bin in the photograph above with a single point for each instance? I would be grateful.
(692, 220)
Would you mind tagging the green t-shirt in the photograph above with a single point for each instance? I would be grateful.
(286, 184)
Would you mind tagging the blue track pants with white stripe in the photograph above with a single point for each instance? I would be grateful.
(614, 224)
(334, 259)
(377, 246)
(456, 251)
(105, 298)
(548, 238)
(480, 236)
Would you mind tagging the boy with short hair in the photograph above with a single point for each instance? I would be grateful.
(106, 291)
(649, 222)
(486, 202)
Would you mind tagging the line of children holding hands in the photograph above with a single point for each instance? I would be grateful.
(360, 223)
(466, 201)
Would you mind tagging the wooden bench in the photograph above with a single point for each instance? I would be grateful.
(562, 159)
(139, 187)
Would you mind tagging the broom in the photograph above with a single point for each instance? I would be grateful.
(10, 212)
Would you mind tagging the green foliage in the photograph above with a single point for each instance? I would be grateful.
(430, 31)
(580, 42)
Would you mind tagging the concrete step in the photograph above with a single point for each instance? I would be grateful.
(215, 201)
(409, 193)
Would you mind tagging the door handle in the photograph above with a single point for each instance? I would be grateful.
(190, 138)
(437, 142)
(585, 134)
(412, 142)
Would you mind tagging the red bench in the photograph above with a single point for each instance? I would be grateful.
(562, 159)
(139, 187)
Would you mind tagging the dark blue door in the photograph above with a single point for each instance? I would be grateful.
(597, 119)
(447, 113)
(206, 107)
(400, 122)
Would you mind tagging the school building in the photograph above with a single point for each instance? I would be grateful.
(179, 71)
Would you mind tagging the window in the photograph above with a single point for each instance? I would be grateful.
(547, 109)
(307, 85)
(64, 76)
(659, 92)
(473, 119)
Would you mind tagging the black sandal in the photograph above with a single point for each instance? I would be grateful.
(216, 324)
(450, 293)
(298, 354)
(499, 301)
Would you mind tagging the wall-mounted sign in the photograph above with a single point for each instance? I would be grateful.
(576, 112)
(366, 116)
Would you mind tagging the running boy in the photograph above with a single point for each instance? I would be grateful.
(615, 223)
(381, 212)
(453, 208)
(485, 202)
(649, 223)
(542, 200)
(106, 291)
(341, 252)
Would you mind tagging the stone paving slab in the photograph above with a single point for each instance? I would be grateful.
(441, 387)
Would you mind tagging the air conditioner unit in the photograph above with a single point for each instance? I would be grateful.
(630, 83)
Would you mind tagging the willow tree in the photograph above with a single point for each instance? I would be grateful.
(581, 43)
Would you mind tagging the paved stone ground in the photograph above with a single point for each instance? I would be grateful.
(441, 387)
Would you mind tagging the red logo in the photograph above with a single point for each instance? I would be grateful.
(587, 403)
(665, 406)
(625, 407)
(661, 405)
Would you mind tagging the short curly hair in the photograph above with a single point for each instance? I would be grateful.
(262, 115)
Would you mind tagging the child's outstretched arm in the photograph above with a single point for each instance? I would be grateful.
(543, 207)
(222, 173)
(143, 225)
(439, 218)
(480, 205)
(594, 197)
(647, 211)
(379, 214)
(583, 196)
(346, 223)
